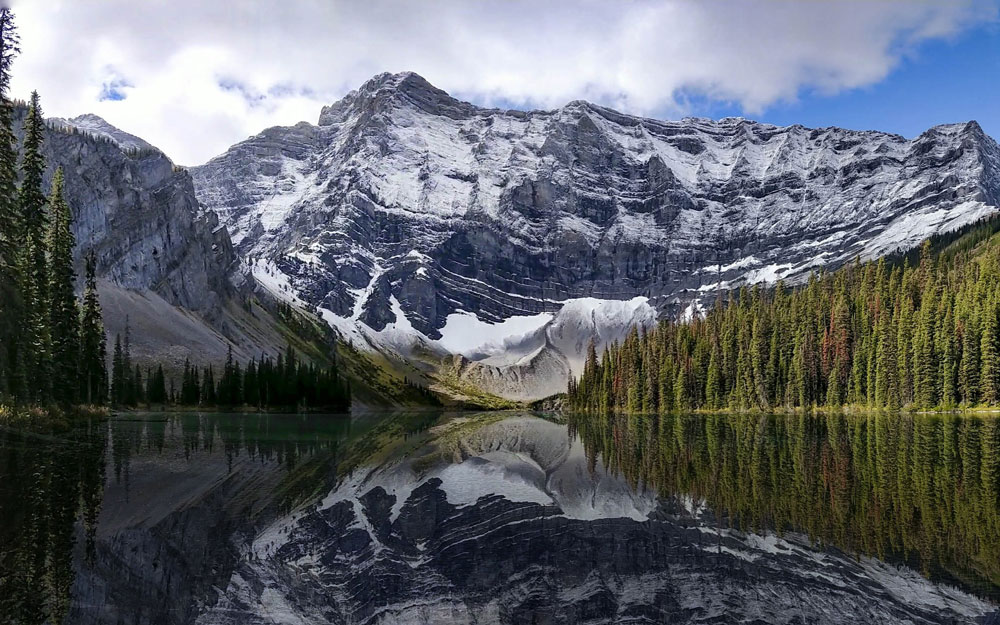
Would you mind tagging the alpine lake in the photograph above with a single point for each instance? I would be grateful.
(502, 517)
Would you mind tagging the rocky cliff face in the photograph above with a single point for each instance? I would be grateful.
(167, 267)
(403, 206)
(138, 212)
(401, 190)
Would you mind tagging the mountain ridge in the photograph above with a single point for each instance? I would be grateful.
(404, 209)
(404, 206)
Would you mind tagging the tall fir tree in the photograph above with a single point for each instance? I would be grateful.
(989, 350)
(156, 389)
(128, 385)
(34, 265)
(93, 342)
(11, 223)
(969, 368)
(64, 314)
(118, 374)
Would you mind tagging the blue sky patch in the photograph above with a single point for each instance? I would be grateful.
(114, 90)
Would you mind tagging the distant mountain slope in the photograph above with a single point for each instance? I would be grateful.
(98, 127)
(139, 213)
(165, 267)
(404, 206)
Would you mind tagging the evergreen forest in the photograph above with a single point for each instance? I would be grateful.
(921, 331)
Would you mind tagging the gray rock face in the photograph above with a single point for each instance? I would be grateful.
(167, 267)
(401, 191)
(138, 212)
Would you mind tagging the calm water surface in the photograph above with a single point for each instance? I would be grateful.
(427, 517)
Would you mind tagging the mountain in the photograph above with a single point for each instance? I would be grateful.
(96, 126)
(165, 267)
(405, 212)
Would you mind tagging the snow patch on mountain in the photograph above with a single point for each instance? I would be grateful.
(96, 126)
(464, 333)
(910, 229)
(512, 344)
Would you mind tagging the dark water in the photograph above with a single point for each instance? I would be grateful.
(921, 489)
(63, 495)
(184, 518)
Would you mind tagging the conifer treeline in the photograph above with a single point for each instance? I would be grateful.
(287, 382)
(49, 350)
(878, 334)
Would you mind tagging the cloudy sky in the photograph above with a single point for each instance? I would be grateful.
(194, 77)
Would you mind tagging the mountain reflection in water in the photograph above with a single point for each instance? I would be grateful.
(500, 517)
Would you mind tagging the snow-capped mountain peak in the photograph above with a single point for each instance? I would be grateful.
(97, 126)
(387, 91)
(404, 194)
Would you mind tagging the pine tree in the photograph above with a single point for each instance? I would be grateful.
(989, 384)
(969, 368)
(713, 382)
(34, 263)
(156, 386)
(128, 379)
(926, 367)
(118, 374)
(887, 367)
(11, 224)
(251, 388)
(138, 390)
(189, 384)
(904, 349)
(834, 394)
(208, 395)
(64, 315)
(236, 385)
(947, 349)
(191, 394)
(93, 351)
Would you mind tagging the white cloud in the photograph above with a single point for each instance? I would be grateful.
(198, 76)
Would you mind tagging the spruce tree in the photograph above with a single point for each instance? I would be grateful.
(947, 349)
(118, 374)
(904, 349)
(138, 390)
(713, 383)
(34, 265)
(251, 388)
(11, 223)
(208, 395)
(926, 367)
(989, 383)
(128, 379)
(64, 315)
(156, 392)
(969, 368)
(93, 342)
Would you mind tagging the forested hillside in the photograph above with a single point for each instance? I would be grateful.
(920, 331)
